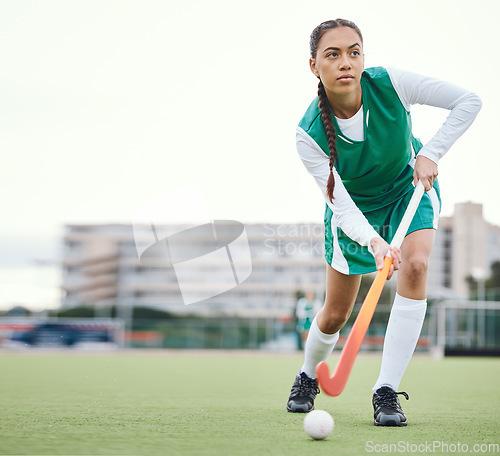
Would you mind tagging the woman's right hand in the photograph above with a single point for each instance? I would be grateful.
(380, 250)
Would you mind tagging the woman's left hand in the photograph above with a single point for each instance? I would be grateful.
(426, 171)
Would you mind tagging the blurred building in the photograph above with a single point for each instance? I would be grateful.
(466, 245)
(101, 266)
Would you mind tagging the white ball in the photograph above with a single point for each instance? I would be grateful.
(318, 424)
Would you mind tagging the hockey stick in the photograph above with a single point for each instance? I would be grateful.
(335, 384)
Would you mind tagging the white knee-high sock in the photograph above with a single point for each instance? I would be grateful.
(319, 347)
(403, 330)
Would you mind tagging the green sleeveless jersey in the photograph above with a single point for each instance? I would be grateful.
(376, 171)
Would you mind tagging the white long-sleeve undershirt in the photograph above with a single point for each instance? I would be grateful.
(411, 89)
(463, 106)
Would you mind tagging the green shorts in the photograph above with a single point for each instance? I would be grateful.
(348, 257)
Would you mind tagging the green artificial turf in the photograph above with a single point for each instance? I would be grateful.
(232, 403)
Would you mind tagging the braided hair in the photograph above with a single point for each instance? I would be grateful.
(324, 104)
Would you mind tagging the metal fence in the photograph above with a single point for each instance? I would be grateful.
(450, 328)
(466, 327)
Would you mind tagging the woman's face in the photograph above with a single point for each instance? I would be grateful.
(339, 60)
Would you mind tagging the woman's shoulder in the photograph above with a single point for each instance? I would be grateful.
(378, 80)
(311, 117)
(375, 73)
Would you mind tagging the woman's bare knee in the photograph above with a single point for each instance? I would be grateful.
(332, 320)
(415, 269)
(341, 291)
(412, 275)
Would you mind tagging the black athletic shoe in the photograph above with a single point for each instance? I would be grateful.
(387, 410)
(304, 391)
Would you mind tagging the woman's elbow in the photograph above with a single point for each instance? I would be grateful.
(475, 102)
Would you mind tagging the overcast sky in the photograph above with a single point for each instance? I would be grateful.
(106, 105)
